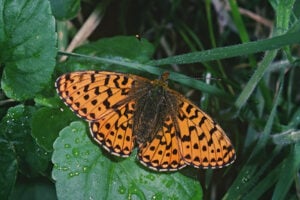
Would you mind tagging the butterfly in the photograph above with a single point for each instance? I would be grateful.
(125, 111)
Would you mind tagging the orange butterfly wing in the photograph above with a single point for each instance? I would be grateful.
(102, 99)
(114, 131)
(188, 136)
(92, 94)
(163, 152)
(203, 143)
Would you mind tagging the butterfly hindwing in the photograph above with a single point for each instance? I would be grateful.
(114, 131)
(162, 153)
(203, 143)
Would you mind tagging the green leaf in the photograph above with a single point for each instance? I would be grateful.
(287, 137)
(231, 51)
(28, 40)
(46, 124)
(66, 9)
(288, 173)
(250, 173)
(15, 128)
(52, 102)
(116, 48)
(34, 190)
(120, 46)
(82, 171)
(255, 78)
(8, 169)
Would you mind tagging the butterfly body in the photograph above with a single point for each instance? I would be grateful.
(151, 109)
(126, 110)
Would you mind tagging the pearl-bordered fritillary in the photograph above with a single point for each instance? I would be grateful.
(125, 111)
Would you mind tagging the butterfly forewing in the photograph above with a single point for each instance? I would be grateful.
(91, 94)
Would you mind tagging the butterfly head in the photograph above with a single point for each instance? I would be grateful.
(164, 77)
(163, 80)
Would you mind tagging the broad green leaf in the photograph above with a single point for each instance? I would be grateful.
(27, 40)
(15, 129)
(46, 124)
(117, 48)
(35, 189)
(83, 171)
(8, 168)
(67, 9)
(120, 46)
(52, 102)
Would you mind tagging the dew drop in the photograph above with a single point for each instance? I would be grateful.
(75, 152)
(84, 169)
(77, 140)
(157, 196)
(121, 189)
(169, 184)
(150, 177)
(244, 180)
(64, 168)
(72, 174)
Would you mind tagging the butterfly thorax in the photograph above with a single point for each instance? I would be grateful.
(151, 109)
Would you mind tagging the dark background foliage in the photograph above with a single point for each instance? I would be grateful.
(237, 60)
